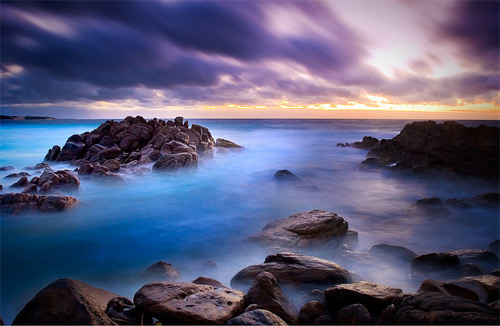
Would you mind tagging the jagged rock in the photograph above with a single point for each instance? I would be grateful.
(390, 253)
(20, 183)
(14, 203)
(494, 246)
(373, 296)
(50, 180)
(66, 302)
(123, 312)
(310, 312)
(436, 308)
(160, 271)
(300, 270)
(209, 281)
(266, 294)
(188, 303)
(447, 288)
(304, 229)
(435, 262)
(256, 317)
(355, 314)
(367, 143)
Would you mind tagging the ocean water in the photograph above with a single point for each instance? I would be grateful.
(190, 217)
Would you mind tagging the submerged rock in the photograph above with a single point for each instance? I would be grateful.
(14, 203)
(285, 176)
(67, 302)
(256, 317)
(160, 271)
(390, 253)
(429, 206)
(227, 144)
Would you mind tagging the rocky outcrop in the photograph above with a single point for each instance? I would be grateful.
(136, 141)
(160, 271)
(14, 203)
(266, 294)
(299, 270)
(188, 303)
(450, 146)
(437, 308)
(389, 253)
(20, 183)
(304, 229)
(256, 317)
(67, 302)
(123, 312)
(373, 296)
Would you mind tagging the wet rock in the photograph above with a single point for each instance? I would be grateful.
(486, 286)
(470, 269)
(123, 312)
(436, 308)
(20, 183)
(367, 143)
(227, 144)
(447, 288)
(209, 281)
(14, 203)
(304, 229)
(6, 168)
(373, 296)
(300, 270)
(188, 303)
(390, 253)
(30, 189)
(494, 246)
(355, 314)
(17, 175)
(256, 317)
(50, 180)
(285, 176)
(310, 312)
(160, 271)
(483, 200)
(266, 294)
(485, 259)
(67, 302)
(175, 161)
(429, 206)
(435, 262)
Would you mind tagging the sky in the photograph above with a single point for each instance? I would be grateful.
(251, 59)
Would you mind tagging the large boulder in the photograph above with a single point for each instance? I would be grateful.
(373, 296)
(256, 317)
(310, 311)
(296, 269)
(304, 229)
(174, 161)
(14, 203)
(188, 303)
(67, 302)
(266, 294)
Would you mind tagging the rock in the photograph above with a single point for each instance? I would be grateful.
(429, 206)
(367, 143)
(187, 303)
(112, 165)
(50, 180)
(304, 229)
(123, 312)
(175, 161)
(66, 302)
(483, 200)
(256, 317)
(495, 272)
(251, 307)
(486, 286)
(355, 314)
(300, 270)
(485, 259)
(373, 296)
(30, 189)
(14, 203)
(310, 312)
(266, 294)
(160, 271)
(436, 308)
(435, 262)
(470, 270)
(227, 144)
(285, 176)
(1, 321)
(38, 166)
(20, 183)
(494, 246)
(495, 305)
(390, 253)
(325, 320)
(17, 175)
(447, 288)
(53, 153)
(178, 121)
(6, 168)
(72, 150)
(371, 164)
(209, 281)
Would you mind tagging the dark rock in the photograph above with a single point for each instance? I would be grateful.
(495, 305)
(20, 183)
(447, 288)
(367, 143)
(160, 271)
(483, 200)
(66, 302)
(310, 312)
(14, 203)
(53, 153)
(470, 269)
(355, 314)
(30, 189)
(38, 166)
(494, 246)
(495, 272)
(485, 259)
(300, 270)
(390, 253)
(256, 317)
(50, 180)
(325, 320)
(429, 206)
(123, 312)
(437, 308)
(373, 296)
(17, 175)
(266, 294)
(435, 262)
(34, 180)
(486, 286)
(371, 164)
(304, 229)
(6, 168)
(209, 281)
(178, 121)
(175, 161)
(227, 144)
(285, 176)
(188, 303)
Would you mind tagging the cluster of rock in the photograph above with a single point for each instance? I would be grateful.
(437, 207)
(14, 203)
(259, 297)
(115, 144)
(426, 145)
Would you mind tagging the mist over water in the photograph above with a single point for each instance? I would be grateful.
(190, 217)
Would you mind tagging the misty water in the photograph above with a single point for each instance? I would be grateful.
(190, 217)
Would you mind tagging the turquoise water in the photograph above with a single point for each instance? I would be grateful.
(190, 217)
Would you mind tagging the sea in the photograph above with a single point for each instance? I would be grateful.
(199, 220)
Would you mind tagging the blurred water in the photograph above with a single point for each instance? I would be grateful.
(190, 217)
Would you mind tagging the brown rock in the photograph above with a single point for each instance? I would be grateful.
(187, 303)
(20, 183)
(227, 144)
(256, 317)
(17, 175)
(470, 270)
(486, 286)
(30, 189)
(160, 271)
(50, 180)
(14, 203)
(175, 161)
(123, 312)
(447, 288)
(310, 312)
(390, 253)
(209, 281)
(355, 314)
(485, 259)
(66, 302)
(442, 261)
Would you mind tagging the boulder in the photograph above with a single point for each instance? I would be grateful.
(470, 269)
(14, 203)
(66, 302)
(447, 288)
(50, 180)
(160, 271)
(486, 286)
(175, 161)
(485, 259)
(266, 294)
(373, 296)
(188, 303)
(30, 189)
(390, 253)
(20, 183)
(53, 153)
(296, 269)
(123, 312)
(285, 176)
(179, 121)
(354, 314)
(435, 262)
(494, 246)
(429, 206)
(227, 144)
(256, 317)
(310, 312)
(209, 281)
(304, 229)
(436, 308)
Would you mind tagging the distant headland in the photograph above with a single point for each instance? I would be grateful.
(28, 117)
